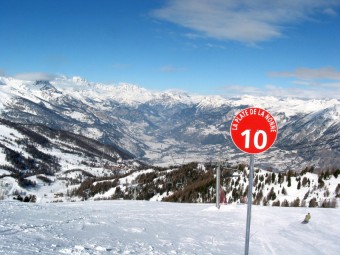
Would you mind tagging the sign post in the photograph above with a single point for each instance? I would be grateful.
(253, 130)
(218, 176)
(250, 196)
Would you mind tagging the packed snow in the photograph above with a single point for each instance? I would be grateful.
(143, 227)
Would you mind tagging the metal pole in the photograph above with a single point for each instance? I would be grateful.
(218, 186)
(2, 195)
(250, 196)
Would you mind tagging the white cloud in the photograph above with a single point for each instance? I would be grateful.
(239, 90)
(328, 73)
(242, 20)
(210, 45)
(330, 12)
(303, 92)
(34, 76)
(322, 91)
(307, 82)
(316, 83)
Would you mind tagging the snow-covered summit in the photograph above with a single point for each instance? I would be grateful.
(290, 106)
(132, 94)
(212, 102)
(79, 80)
(128, 93)
(142, 121)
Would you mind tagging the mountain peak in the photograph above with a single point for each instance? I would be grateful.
(130, 94)
(42, 82)
(129, 87)
(45, 86)
(79, 80)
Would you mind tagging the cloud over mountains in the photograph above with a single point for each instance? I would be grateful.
(244, 21)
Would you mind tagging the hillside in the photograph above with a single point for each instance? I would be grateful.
(193, 183)
(190, 183)
(34, 158)
(174, 127)
(69, 139)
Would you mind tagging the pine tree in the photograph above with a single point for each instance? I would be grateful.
(271, 195)
(304, 181)
(313, 203)
(337, 190)
(291, 173)
(259, 186)
(306, 195)
(261, 178)
(327, 175)
(235, 194)
(281, 178)
(268, 180)
(256, 180)
(265, 202)
(285, 203)
(336, 173)
(304, 171)
(326, 193)
(273, 177)
(321, 182)
(259, 196)
(296, 203)
(299, 185)
(245, 193)
(276, 203)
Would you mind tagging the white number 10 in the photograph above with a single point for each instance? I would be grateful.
(246, 133)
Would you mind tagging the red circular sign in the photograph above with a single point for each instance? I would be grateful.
(253, 130)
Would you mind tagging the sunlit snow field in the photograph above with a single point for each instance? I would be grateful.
(142, 227)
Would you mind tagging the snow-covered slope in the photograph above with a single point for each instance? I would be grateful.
(149, 228)
(43, 162)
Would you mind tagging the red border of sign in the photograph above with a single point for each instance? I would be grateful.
(254, 119)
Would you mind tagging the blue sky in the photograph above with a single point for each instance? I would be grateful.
(225, 47)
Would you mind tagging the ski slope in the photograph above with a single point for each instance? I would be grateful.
(144, 227)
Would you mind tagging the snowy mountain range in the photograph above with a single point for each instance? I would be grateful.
(173, 127)
(69, 139)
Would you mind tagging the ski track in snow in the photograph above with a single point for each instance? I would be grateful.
(152, 228)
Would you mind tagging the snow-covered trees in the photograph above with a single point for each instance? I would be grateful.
(313, 202)
(271, 195)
